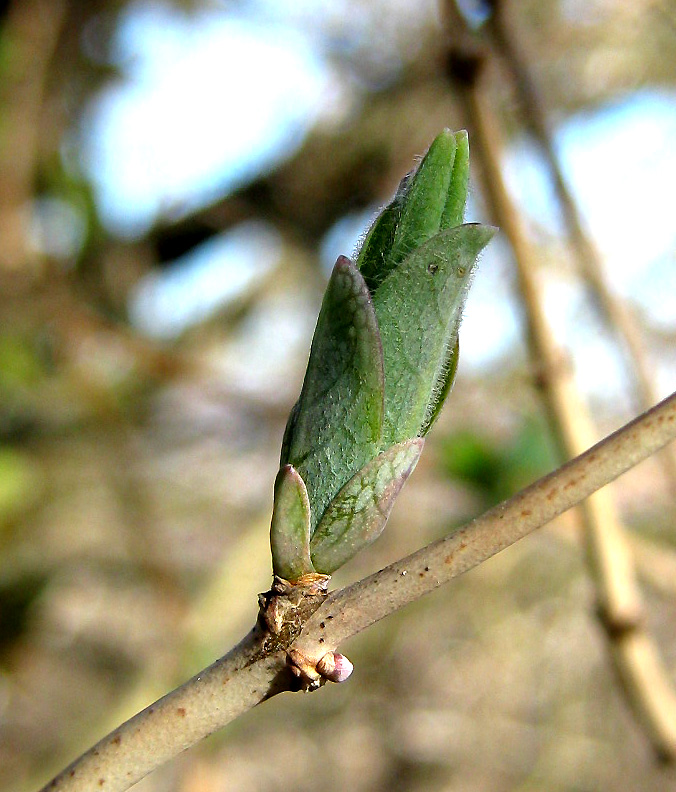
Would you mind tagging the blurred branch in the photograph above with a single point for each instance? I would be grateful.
(617, 314)
(257, 669)
(656, 564)
(645, 678)
(30, 35)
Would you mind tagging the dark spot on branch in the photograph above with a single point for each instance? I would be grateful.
(181, 711)
(526, 512)
(116, 740)
(427, 569)
(322, 625)
(102, 781)
(321, 640)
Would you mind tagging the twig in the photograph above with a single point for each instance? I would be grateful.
(618, 316)
(211, 699)
(32, 31)
(620, 604)
(250, 673)
(568, 415)
(619, 598)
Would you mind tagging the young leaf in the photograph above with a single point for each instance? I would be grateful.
(428, 200)
(357, 515)
(454, 209)
(335, 428)
(383, 360)
(290, 529)
(418, 309)
(425, 198)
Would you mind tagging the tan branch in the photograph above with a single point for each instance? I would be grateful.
(609, 552)
(618, 316)
(207, 702)
(31, 31)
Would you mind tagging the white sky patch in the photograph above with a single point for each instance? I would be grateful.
(620, 163)
(623, 173)
(168, 302)
(207, 102)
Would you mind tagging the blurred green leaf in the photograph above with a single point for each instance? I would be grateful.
(20, 365)
(498, 469)
(19, 484)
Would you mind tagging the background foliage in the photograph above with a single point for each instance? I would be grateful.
(148, 362)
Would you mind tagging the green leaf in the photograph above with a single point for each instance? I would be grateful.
(357, 515)
(335, 428)
(418, 308)
(425, 198)
(290, 529)
(454, 209)
(428, 200)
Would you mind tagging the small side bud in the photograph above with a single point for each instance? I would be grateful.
(335, 667)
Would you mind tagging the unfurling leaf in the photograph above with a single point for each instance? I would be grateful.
(382, 362)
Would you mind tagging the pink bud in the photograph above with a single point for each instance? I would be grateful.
(335, 667)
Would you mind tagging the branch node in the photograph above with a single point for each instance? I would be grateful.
(289, 604)
(618, 624)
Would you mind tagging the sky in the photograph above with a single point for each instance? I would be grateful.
(209, 100)
(206, 102)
